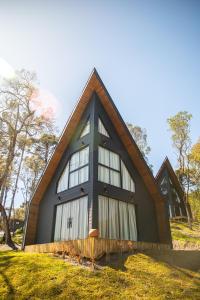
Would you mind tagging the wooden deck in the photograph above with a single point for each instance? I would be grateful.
(93, 247)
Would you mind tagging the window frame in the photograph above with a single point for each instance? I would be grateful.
(69, 172)
(107, 136)
(118, 213)
(110, 168)
(115, 170)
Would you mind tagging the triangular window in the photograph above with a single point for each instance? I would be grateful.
(102, 129)
(86, 129)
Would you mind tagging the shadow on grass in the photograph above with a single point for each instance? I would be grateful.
(187, 259)
(4, 265)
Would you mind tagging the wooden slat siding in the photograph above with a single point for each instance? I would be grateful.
(95, 84)
(94, 247)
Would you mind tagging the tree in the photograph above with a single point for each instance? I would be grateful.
(140, 137)
(20, 127)
(180, 127)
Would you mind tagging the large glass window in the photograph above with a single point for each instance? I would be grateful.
(76, 170)
(113, 171)
(71, 221)
(117, 219)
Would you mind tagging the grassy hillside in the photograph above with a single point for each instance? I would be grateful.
(38, 276)
(184, 235)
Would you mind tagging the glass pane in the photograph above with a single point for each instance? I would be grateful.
(83, 217)
(103, 217)
(123, 220)
(132, 189)
(63, 181)
(86, 129)
(132, 222)
(103, 156)
(73, 179)
(58, 222)
(65, 217)
(103, 174)
(102, 129)
(114, 161)
(83, 174)
(84, 157)
(115, 178)
(113, 219)
(74, 216)
(74, 162)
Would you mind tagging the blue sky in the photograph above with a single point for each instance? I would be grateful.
(146, 52)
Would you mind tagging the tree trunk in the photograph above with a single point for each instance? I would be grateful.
(16, 184)
(8, 238)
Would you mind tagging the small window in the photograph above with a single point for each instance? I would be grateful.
(109, 170)
(102, 129)
(86, 129)
(109, 167)
(76, 171)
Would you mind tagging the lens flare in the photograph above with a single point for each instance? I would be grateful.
(45, 104)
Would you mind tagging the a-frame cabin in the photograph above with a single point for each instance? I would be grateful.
(96, 184)
(171, 190)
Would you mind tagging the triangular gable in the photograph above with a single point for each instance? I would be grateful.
(95, 84)
(166, 165)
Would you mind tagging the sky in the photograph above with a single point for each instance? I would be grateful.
(146, 52)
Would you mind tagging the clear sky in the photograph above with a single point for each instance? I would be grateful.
(146, 52)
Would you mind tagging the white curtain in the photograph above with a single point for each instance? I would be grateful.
(83, 217)
(127, 181)
(86, 129)
(74, 161)
(63, 181)
(123, 221)
(74, 216)
(114, 178)
(113, 219)
(84, 157)
(76, 213)
(65, 219)
(103, 156)
(114, 161)
(83, 174)
(58, 221)
(103, 174)
(73, 178)
(102, 129)
(103, 217)
(132, 222)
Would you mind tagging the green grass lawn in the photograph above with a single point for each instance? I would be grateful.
(184, 235)
(39, 276)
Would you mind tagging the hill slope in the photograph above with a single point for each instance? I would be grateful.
(38, 276)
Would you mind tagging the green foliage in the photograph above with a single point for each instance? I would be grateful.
(182, 233)
(194, 200)
(37, 276)
(140, 137)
